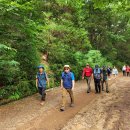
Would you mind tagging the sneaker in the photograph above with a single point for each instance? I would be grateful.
(107, 91)
(72, 105)
(88, 92)
(62, 109)
(42, 103)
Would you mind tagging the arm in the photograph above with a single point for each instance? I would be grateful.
(73, 84)
(61, 83)
(101, 74)
(83, 74)
(92, 76)
(73, 81)
(93, 73)
(47, 79)
(36, 82)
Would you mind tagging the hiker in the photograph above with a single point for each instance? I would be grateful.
(127, 70)
(104, 79)
(41, 82)
(124, 70)
(97, 78)
(67, 86)
(109, 70)
(87, 74)
(115, 71)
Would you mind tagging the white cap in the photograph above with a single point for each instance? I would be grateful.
(66, 66)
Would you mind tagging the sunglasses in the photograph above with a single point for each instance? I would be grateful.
(66, 69)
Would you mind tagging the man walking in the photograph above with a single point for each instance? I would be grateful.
(109, 71)
(67, 86)
(127, 70)
(87, 74)
(97, 78)
(104, 79)
(124, 70)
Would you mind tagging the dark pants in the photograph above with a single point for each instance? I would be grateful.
(42, 93)
(127, 73)
(106, 83)
(97, 85)
(109, 74)
(124, 73)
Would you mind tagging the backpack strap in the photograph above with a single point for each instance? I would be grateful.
(45, 75)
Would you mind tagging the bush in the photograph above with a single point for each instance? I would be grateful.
(93, 57)
(15, 92)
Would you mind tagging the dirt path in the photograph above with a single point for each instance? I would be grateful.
(107, 112)
(27, 114)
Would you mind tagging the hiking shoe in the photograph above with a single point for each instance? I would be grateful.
(62, 109)
(72, 105)
(42, 103)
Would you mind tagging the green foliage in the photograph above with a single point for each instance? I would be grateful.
(67, 32)
(18, 49)
(93, 57)
(15, 92)
(8, 66)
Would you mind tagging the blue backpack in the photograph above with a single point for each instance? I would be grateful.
(67, 80)
(97, 73)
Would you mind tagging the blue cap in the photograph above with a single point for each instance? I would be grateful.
(40, 66)
(96, 66)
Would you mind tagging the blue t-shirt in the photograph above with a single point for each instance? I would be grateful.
(42, 78)
(67, 79)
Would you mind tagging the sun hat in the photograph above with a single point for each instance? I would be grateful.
(40, 66)
(66, 66)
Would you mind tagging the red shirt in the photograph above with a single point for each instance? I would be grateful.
(127, 69)
(87, 72)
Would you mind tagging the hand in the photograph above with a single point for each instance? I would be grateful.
(48, 85)
(61, 87)
(72, 88)
(82, 77)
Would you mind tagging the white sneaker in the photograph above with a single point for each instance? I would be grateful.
(42, 103)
